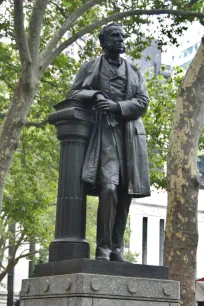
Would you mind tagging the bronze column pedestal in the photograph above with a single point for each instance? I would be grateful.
(73, 125)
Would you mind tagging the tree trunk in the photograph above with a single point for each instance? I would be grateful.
(183, 180)
(12, 126)
(11, 264)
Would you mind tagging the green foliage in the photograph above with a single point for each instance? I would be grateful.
(168, 28)
(31, 187)
(30, 192)
(9, 70)
(131, 256)
(201, 141)
(128, 255)
(91, 217)
(158, 121)
(17, 303)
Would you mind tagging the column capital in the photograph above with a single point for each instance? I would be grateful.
(71, 118)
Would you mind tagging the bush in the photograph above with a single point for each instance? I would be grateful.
(17, 303)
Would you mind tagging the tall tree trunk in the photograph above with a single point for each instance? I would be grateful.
(183, 180)
(12, 126)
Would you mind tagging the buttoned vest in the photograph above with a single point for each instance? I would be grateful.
(112, 81)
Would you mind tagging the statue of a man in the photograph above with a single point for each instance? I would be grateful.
(116, 162)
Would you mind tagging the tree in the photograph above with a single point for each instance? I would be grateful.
(36, 54)
(30, 190)
(36, 41)
(158, 121)
(28, 202)
(183, 180)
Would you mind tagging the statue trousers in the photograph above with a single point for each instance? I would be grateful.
(114, 200)
(114, 203)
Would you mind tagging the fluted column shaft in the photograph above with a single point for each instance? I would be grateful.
(73, 129)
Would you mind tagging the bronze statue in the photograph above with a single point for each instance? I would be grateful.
(116, 164)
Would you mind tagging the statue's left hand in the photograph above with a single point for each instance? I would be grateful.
(107, 105)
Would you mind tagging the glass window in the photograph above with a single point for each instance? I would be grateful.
(188, 51)
(201, 170)
(161, 242)
(196, 46)
(144, 240)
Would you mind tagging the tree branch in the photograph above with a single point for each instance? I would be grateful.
(190, 3)
(25, 255)
(12, 262)
(3, 215)
(66, 25)
(59, 9)
(27, 250)
(53, 85)
(30, 123)
(36, 20)
(2, 244)
(1, 265)
(37, 124)
(7, 83)
(6, 270)
(17, 245)
(20, 35)
(114, 17)
(1, 1)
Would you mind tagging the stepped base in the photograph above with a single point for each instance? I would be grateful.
(100, 267)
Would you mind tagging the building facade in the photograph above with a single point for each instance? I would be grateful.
(188, 46)
(147, 221)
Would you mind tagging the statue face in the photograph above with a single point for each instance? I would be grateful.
(114, 40)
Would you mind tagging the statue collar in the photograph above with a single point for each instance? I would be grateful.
(114, 62)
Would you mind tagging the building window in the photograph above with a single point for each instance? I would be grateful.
(188, 51)
(144, 240)
(201, 170)
(181, 55)
(196, 46)
(161, 242)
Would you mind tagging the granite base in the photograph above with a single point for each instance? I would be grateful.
(98, 290)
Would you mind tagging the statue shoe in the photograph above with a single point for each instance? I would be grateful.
(103, 254)
(103, 257)
(118, 256)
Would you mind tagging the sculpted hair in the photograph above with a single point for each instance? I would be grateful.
(105, 31)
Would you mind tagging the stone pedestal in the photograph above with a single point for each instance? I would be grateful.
(98, 290)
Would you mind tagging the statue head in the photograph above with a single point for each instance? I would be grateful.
(112, 39)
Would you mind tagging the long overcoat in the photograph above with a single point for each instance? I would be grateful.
(132, 109)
